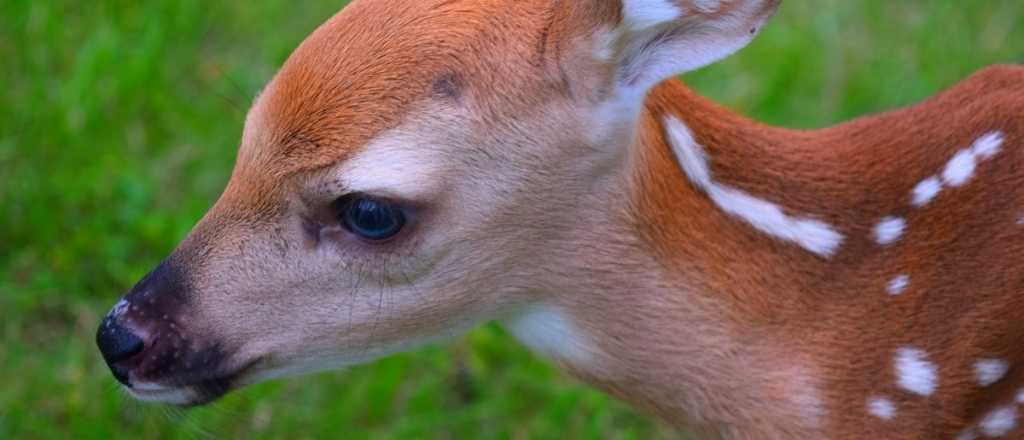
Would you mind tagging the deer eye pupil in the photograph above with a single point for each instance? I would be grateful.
(371, 219)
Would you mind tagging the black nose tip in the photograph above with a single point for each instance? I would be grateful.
(117, 344)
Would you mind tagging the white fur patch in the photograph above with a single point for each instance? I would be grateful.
(148, 392)
(989, 371)
(813, 235)
(550, 332)
(961, 167)
(882, 408)
(999, 422)
(926, 191)
(914, 372)
(393, 164)
(689, 153)
(898, 285)
(889, 230)
(988, 145)
(644, 14)
(1020, 396)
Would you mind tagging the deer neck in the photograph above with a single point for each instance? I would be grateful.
(736, 207)
(670, 314)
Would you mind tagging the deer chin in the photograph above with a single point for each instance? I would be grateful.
(190, 390)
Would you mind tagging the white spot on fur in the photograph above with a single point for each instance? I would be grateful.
(1020, 396)
(882, 408)
(644, 14)
(898, 285)
(914, 372)
(960, 168)
(688, 152)
(925, 191)
(813, 235)
(999, 422)
(889, 230)
(989, 371)
(550, 332)
(988, 145)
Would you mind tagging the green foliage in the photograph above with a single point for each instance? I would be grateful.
(119, 125)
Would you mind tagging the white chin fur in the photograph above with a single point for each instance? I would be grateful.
(160, 394)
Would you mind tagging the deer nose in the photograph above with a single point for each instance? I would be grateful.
(118, 345)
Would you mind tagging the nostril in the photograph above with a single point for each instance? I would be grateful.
(117, 343)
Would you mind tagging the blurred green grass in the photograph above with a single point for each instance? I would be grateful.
(119, 125)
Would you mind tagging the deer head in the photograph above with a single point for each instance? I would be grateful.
(417, 168)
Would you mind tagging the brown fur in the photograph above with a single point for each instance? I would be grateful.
(960, 250)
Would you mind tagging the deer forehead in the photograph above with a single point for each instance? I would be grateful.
(366, 69)
(363, 71)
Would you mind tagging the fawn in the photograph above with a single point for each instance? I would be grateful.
(420, 167)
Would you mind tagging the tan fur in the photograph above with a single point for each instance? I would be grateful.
(549, 189)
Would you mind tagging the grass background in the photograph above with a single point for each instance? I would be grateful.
(119, 125)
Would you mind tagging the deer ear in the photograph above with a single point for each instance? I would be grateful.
(658, 39)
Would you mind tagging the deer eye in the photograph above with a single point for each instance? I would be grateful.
(370, 219)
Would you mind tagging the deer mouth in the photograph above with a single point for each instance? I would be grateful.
(191, 390)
